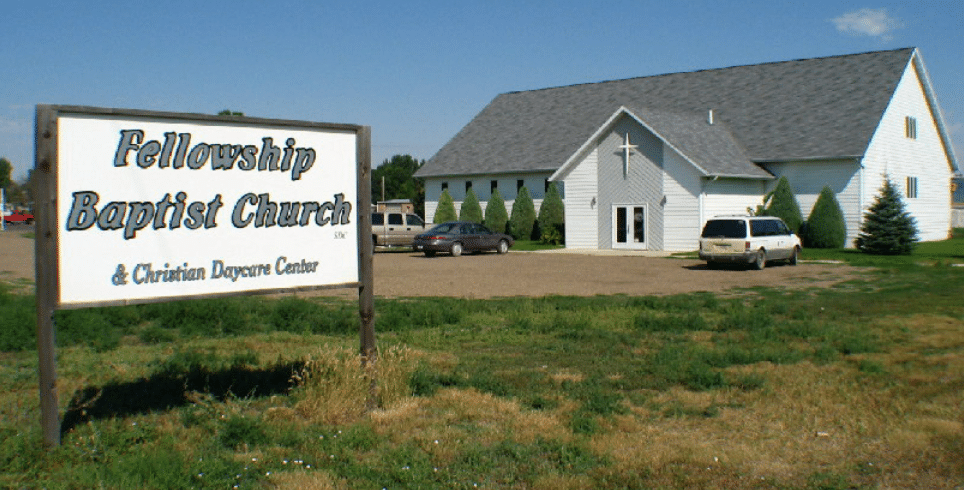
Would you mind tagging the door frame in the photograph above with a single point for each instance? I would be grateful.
(629, 244)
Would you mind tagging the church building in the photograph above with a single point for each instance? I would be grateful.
(642, 163)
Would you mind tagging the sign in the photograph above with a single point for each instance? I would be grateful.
(168, 207)
(139, 206)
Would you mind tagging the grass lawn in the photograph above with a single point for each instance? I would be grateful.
(856, 386)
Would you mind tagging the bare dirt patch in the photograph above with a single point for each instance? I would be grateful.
(539, 274)
(487, 275)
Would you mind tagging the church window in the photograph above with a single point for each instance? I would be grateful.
(910, 127)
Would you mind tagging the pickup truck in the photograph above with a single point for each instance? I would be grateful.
(395, 229)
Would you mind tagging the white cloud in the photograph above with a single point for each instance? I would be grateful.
(868, 22)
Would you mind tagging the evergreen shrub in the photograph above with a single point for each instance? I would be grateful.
(446, 209)
(825, 227)
(552, 217)
(471, 209)
(888, 228)
(496, 215)
(784, 205)
(523, 217)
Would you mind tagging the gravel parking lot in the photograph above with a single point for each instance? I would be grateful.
(486, 275)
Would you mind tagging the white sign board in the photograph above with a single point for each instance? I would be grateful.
(152, 208)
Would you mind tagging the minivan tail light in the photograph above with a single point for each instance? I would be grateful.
(746, 245)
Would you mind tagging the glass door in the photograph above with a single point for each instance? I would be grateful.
(629, 226)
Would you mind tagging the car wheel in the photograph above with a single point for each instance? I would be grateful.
(503, 247)
(430, 253)
(794, 257)
(761, 260)
(456, 249)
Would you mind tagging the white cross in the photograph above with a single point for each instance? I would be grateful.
(627, 148)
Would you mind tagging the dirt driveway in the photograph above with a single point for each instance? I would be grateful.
(488, 275)
(578, 274)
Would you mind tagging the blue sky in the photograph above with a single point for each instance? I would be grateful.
(416, 72)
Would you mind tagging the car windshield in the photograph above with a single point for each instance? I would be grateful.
(725, 228)
(444, 228)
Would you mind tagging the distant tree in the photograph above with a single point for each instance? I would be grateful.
(784, 205)
(471, 209)
(6, 168)
(552, 215)
(496, 215)
(229, 112)
(825, 227)
(888, 228)
(523, 216)
(398, 176)
(446, 209)
(17, 193)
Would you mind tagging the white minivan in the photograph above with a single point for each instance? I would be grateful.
(753, 240)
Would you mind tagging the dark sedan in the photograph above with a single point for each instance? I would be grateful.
(457, 237)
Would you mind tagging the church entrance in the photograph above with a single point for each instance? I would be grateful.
(629, 226)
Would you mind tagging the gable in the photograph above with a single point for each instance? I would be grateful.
(706, 145)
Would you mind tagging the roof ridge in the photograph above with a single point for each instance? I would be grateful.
(705, 70)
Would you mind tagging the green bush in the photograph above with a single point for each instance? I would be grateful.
(552, 217)
(496, 216)
(89, 327)
(471, 209)
(446, 209)
(18, 322)
(784, 205)
(523, 216)
(888, 229)
(825, 228)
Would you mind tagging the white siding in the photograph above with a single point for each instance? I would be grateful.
(482, 186)
(681, 211)
(581, 202)
(807, 179)
(730, 196)
(893, 154)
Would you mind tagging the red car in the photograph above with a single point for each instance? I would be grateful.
(18, 217)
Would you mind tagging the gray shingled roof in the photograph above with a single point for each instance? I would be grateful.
(790, 110)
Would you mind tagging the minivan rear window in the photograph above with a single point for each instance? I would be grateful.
(725, 228)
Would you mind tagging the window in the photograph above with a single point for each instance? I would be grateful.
(395, 219)
(911, 187)
(493, 186)
(414, 220)
(910, 127)
(519, 184)
(378, 219)
(445, 186)
(468, 186)
(546, 188)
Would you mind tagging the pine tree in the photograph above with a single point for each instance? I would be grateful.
(784, 205)
(446, 209)
(888, 228)
(552, 216)
(523, 216)
(496, 216)
(471, 209)
(825, 228)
